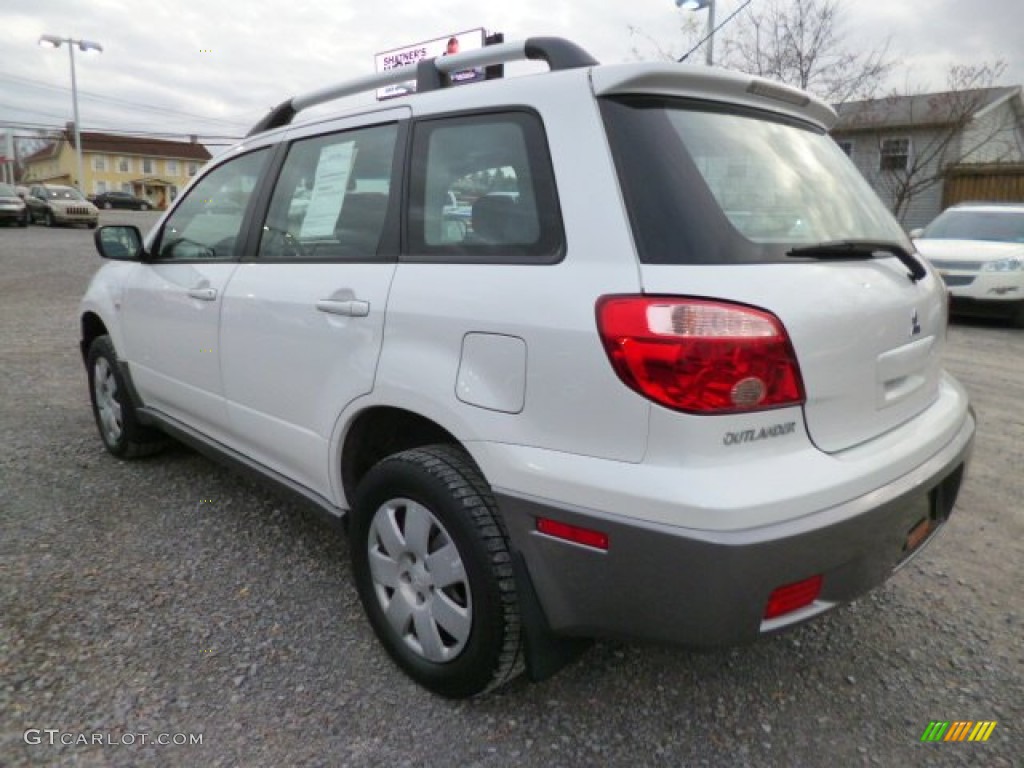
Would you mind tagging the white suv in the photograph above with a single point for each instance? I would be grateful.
(677, 378)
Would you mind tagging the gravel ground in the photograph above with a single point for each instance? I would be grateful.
(170, 596)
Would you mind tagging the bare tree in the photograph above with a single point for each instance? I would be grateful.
(947, 129)
(645, 46)
(801, 43)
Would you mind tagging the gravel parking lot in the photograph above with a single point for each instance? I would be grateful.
(170, 596)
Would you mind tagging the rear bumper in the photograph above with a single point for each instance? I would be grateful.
(709, 588)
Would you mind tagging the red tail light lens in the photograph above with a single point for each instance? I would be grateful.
(700, 356)
(585, 536)
(792, 597)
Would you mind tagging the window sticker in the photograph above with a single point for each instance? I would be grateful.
(329, 187)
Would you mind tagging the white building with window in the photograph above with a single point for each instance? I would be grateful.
(925, 152)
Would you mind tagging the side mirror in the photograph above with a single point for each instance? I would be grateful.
(916, 233)
(120, 243)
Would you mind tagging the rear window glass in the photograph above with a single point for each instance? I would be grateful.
(704, 185)
(959, 224)
(482, 190)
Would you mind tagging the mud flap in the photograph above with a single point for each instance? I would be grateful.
(546, 652)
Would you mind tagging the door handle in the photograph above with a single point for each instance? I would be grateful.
(203, 294)
(350, 308)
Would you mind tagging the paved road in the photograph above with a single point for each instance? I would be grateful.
(169, 596)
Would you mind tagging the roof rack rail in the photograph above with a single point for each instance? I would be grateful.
(432, 74)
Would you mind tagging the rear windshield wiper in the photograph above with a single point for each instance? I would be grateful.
(860, 249)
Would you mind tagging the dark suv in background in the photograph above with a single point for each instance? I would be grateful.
(110, 200)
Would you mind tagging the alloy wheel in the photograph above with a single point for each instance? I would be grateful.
(420, 580)
(109, 409)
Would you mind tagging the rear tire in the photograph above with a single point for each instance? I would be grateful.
(108, 205)
(119, 426)
(144, 207)
(433, 569)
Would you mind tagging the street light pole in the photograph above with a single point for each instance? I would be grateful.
(696, 5)
(52, 41)
(709, 38)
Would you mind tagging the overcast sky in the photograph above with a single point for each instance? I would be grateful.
(213, 67)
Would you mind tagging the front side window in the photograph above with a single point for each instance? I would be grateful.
(708, 185)
(483, 190)
(206, 225)
(332, 197)
(894, 154)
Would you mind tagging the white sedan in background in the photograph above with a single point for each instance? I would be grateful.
(978, 248)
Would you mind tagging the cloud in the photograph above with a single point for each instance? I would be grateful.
(214, 67)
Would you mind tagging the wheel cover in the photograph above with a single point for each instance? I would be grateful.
(420, 580)
(109, 410)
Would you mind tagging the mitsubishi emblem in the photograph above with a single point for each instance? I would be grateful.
(915, 325)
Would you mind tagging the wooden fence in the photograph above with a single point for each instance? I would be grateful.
(983, 183)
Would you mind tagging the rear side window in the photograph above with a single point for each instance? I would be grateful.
(709, 185)
(331, 198)
(482, 190)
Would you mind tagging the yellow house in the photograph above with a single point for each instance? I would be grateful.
(154, 169)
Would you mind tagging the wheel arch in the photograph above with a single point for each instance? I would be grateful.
(92, 328)
(378, 432)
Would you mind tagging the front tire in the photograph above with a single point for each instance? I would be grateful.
(119, 426)
(50, 221)
(144, 207)
(434, 572)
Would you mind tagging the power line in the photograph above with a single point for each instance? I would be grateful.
(121, 131)
(114, 100)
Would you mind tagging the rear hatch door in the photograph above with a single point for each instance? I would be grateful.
(731, 202)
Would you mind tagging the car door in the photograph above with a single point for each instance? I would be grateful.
(302, 321)
(172, 304)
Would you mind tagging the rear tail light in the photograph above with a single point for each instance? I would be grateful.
(700, 356)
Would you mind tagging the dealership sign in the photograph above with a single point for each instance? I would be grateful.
(411, 55)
